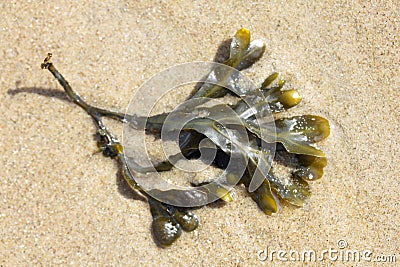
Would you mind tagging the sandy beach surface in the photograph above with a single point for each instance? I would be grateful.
(62, 204)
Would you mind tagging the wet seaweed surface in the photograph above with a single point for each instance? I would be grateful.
(288, 142)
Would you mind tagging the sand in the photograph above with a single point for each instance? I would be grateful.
(62, 204)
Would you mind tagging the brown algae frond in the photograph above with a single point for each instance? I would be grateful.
(295, 138)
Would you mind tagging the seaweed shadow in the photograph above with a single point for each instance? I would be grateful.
(47, 92)
(220, 56)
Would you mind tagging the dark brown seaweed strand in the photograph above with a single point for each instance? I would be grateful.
(153, 124)
(93, 111)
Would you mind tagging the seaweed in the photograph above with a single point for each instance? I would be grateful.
(239, 137)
